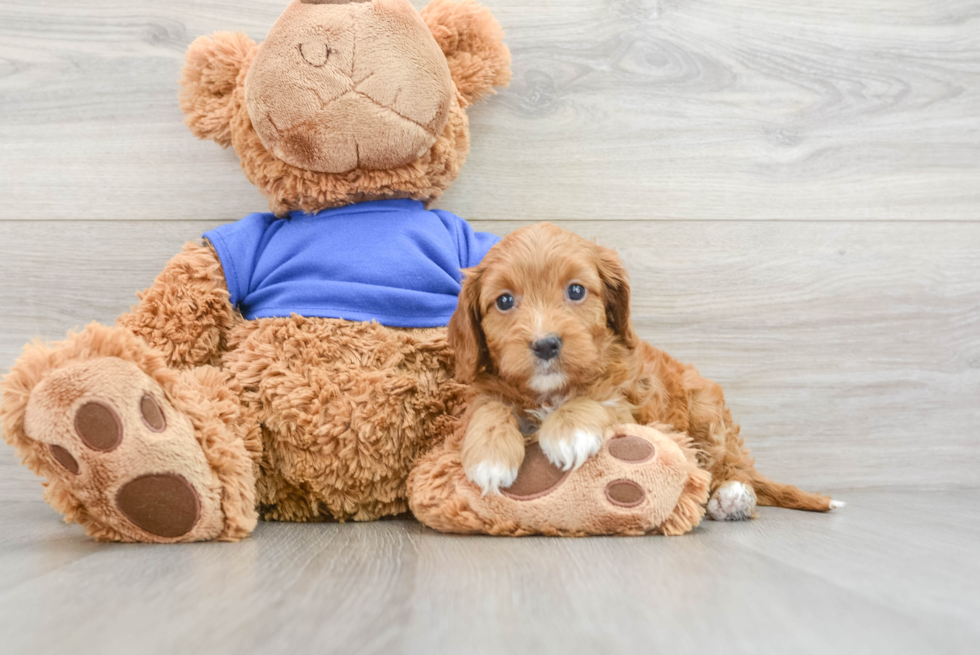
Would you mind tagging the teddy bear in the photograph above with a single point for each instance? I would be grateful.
(294, 365)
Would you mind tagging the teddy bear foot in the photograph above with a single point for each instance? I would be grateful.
(125, 463)
(125, 453)
(642, 480)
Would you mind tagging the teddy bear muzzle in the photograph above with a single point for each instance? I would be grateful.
(329, 91)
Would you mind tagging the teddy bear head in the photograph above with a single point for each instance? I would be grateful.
(347, 100)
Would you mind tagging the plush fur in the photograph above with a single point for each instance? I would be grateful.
(295, 418)
(214, 102)
(224, 430)
(675, 491)
(603, 375)
(329, 90)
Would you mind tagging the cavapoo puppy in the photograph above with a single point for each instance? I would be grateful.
(543, 334)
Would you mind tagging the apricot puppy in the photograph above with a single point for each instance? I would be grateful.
(543, 334)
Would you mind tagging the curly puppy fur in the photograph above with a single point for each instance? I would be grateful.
(602, 374)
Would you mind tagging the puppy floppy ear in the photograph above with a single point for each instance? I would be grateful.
(212, 71)
(473, 42)
(616, 281)
(465, 331)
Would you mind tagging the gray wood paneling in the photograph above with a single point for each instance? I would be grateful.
(850, 352)
(620, 109)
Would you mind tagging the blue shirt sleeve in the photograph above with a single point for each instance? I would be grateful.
(473, 246)
(237, 245)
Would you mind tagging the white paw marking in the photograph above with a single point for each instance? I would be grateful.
(837, 504)
(569, 454)
(732, 501)
(547, 382)
(491, 477)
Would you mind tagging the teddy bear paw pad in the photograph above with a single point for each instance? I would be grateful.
(124, 452)
(625, 493)
(631, 486)
(165, 504)
(98, 426)
(630, 448)
(537, 476)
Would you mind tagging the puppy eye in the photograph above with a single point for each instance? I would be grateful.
(576, 292)
(505, 303)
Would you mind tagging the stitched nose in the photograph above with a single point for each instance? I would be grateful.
(548, 347)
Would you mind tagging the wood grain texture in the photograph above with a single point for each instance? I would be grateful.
(619, 109)
(894, 572)
(850, 352)
(793, 186)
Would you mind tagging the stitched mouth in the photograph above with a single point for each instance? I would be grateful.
(390, 110)
(354, 126)
(354, 89)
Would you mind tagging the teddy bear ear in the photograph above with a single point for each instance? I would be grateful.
(212, 70)
(473, 42)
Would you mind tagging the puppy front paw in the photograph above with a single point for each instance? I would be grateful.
(491, 476)
(568, 451)
(493, 448)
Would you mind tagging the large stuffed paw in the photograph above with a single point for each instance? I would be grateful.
(131, 455)
(125, 453)
(642, 480)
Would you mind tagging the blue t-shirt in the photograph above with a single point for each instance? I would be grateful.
(390, 261)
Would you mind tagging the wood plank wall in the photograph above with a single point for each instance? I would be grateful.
(795, 187)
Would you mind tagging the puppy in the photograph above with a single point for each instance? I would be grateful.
(544, 336)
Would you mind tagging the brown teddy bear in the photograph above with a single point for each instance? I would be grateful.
(295, 365)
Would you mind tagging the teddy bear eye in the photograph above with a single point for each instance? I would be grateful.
(505, 302)
(576, 292)
(315, 54)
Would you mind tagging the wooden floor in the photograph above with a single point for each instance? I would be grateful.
(896, 572)
(795, 188)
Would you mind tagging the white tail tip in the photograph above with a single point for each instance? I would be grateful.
(837, 504)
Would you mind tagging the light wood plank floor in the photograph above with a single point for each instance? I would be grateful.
(894, 572)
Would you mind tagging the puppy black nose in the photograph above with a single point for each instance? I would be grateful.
(548, 347)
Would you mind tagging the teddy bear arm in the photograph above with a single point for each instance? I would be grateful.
(186, 313)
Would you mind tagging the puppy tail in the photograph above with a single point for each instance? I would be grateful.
(777, 494)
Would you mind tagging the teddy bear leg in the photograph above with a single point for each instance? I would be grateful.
(133, 450)
(642, 480)
(346, 408)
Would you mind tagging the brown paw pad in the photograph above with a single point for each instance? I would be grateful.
(63, 457)
(165, 505)
(630, 448)
(537, 476)
(98, 426)
(625, 493)
(109, 436)
(152, 414)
